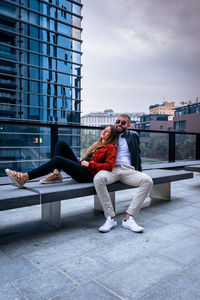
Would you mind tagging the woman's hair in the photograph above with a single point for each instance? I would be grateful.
(111, 140)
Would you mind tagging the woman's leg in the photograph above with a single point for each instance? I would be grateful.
(64, 150)
(72, 168)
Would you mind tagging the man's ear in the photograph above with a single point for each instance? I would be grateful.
(129, 124)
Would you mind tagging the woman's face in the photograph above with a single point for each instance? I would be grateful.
(105, 134)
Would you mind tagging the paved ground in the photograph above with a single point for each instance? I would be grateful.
(77, 262)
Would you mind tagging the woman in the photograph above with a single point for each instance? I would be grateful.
(103, 154)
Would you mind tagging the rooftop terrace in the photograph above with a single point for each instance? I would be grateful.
(77, 262)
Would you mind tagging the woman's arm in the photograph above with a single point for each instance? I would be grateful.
(84, 163)
(109, 161)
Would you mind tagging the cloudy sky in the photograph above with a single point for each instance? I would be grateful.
(139, 52)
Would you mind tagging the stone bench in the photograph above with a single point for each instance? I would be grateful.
(51, 195)
(194, 168)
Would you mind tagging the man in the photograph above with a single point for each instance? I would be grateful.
(127, 170)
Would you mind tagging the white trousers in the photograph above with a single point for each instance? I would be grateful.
(128, 175)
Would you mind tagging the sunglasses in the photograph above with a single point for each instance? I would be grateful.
(122, 122)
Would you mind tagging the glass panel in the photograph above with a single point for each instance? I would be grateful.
(185, 147)
(154, 147)
(72, 137)
(23, 147)
(88, 137)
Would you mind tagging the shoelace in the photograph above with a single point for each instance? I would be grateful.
(52, 175)
(132, 221)
(107, 222)
(17, 174)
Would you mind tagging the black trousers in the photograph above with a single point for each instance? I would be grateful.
(65, 160)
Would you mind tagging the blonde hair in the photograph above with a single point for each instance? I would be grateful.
(99, 143)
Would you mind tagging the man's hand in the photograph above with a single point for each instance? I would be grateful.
(84, 163)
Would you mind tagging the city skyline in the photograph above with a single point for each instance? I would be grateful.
(139, 53)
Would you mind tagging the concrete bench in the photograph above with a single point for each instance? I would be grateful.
(194, 168)
(51, 195)
(178, 165)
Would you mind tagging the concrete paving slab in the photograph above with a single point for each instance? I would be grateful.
(178, 287)
(16, 268)
(117, 235)
(127, 251)
(19, 217)
(185, 251)
(191, 221)
(90, 290)
(9, 292)
(134, 278)
(61, 253)
(20, 247)
(193, 271)
(165, 217)
(84, 268)
(184, 212)
(17, 231)
(44, 285)
(170, 233)
(3, 257)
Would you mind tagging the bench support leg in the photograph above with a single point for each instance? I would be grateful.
(97, 203)
(51, 213)
(161, 191)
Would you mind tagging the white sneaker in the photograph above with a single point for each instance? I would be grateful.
(132, 225)
(108, 225)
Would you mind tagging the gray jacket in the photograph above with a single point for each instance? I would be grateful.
(133, 141)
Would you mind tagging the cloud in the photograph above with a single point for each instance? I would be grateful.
(146, 49)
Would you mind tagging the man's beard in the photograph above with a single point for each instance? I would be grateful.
(121, 130)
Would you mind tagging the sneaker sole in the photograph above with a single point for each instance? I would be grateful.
(103, 231)
(8, 173)
(48, 182)
(127, 227)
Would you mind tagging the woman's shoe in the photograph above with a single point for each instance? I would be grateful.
(52, 178)
(16, 177)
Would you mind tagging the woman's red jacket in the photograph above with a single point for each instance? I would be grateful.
(103, 159)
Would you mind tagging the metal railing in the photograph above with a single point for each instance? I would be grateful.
(27, 144)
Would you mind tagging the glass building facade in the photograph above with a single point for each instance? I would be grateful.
(40, 74)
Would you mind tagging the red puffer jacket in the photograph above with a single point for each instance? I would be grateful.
(103, 159)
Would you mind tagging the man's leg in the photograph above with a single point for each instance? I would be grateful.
(101, 179)
(137, 179)
(145, 183)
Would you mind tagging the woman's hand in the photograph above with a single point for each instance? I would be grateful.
(84, 163)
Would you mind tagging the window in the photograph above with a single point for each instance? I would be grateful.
(66, 58)
(63, 13)
(180, 125)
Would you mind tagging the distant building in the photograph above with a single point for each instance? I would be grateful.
(164, 109)
(106, 117)
(187, 118)
(154, 122)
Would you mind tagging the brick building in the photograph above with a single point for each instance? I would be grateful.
(187, 118)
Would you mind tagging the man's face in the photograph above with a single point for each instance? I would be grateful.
(122, 124)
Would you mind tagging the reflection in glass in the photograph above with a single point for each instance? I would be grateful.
(40, 68)
(185, 147)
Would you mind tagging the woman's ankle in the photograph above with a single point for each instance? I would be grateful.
(25, 176)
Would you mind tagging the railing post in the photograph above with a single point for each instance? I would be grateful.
(197, 146)
(54, 138)
(171, 154)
